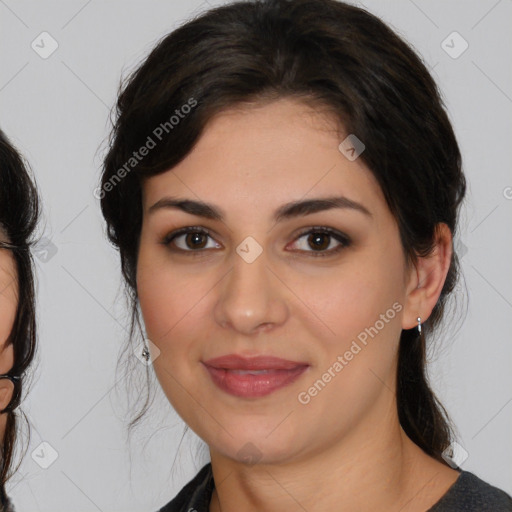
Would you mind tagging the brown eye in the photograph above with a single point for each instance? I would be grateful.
(190, 239)
(195, 240)
(320, 239)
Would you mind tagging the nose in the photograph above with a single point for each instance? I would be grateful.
(252, 298)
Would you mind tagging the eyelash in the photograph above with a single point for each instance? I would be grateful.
(340, 237)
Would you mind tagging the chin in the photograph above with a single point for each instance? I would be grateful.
(250, 444)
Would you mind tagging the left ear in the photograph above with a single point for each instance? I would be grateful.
(426, 279)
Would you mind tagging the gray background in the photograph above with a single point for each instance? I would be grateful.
(56, 111)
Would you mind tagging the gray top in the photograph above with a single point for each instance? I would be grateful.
(467, 494)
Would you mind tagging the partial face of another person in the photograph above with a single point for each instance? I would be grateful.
(252, 285)
(8, 307)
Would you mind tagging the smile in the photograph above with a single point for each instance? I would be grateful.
(253, 377)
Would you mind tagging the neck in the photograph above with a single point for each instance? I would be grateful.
(373, 467)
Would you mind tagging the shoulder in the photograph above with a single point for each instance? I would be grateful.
(469, 493)
(195, 495)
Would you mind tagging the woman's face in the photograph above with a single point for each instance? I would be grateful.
(260, 286)
(8, 306)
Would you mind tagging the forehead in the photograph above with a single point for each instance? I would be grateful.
(262, 156)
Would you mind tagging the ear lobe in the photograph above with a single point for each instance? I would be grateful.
(427, 279)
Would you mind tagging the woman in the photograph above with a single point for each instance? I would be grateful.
(283, 185)
(19, 211)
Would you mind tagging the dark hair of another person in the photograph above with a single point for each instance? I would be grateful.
(332, 56)
(19, 212)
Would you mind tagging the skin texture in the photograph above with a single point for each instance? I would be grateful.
(8, 305)
(345, 449)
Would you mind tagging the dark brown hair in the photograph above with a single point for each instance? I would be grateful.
(19, 213)
(330, 55)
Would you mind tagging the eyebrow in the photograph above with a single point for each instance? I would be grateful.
(287, 211)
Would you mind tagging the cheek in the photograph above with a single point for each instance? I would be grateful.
(170, 300)
(361, 306)
(351, 297)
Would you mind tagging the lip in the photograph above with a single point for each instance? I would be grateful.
(226, 373)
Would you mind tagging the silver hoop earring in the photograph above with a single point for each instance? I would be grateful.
(419, 325)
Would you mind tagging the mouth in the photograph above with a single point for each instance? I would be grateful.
(251, 377)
